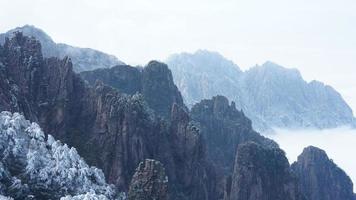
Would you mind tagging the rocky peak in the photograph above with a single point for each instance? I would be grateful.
(224, 128)
(159, 89)
(320, 178)
(262, 173)
(154, 82)
(149, 182)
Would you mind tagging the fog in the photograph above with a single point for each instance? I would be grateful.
(339, 144)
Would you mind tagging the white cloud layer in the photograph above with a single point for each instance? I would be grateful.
(339, 144)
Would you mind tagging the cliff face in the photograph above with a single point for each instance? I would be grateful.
(111, 130)
(82, 58)
(154, 82)
(224, 129)
(320, 178)
(262, 173)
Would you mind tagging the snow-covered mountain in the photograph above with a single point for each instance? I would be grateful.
(83, 58)
(270, 95)
(33, 166)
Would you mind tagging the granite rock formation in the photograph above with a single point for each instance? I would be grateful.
(154, 82)
(320, 178)
(110, 130)
(262, 173)
(149, 182)
(224, 129)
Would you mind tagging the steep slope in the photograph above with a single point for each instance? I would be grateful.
(224, 129)
(154, 82)
(82, 58)
(221, 125)
(320, 178)
(262, 173)
(111, 130)
(270, 95)
(32, 165)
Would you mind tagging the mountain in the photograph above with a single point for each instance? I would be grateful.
(200, 76)
(224, 129)
(136, 129)
(154, 82)
(111, 130)
(221, 125)
(320, 178)
(270, 95)
(83, 58)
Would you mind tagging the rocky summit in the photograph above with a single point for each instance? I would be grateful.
(154, 82)
(224, 129)
(320, 178)
(262, 173)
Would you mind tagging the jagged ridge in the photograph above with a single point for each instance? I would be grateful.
(270, 95)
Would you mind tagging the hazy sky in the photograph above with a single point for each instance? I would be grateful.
(318, 37)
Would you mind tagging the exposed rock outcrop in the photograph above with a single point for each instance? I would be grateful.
(262, 173)
(149, 182)
(154, 82)
(320, 178)
(224, 128)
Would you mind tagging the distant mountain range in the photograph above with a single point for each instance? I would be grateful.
(83, 58)
(269, 94)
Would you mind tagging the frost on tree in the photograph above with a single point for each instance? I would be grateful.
(33, 167)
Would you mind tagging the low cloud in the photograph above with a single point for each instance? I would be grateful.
(339, 144)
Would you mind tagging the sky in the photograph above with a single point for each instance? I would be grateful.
(293, 142)
(317, 37)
